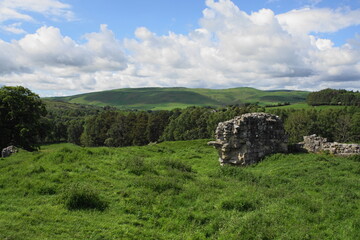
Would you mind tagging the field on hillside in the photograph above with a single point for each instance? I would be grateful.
(176, 190)
(305, 106)
(170, 98)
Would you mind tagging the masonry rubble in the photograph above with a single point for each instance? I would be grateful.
(316, 144)
(246, 139)
(6, 152)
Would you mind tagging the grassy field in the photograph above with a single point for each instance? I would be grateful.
(176, 190)
(170, 98)
(305, 106)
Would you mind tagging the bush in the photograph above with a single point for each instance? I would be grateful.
(82, 197)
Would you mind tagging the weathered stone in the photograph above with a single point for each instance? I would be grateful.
(6, 152)
(248, 138)
(318, 144)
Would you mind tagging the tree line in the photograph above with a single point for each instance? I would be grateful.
(334, 97)
(29, 126)
(339, 125)
(115, 128)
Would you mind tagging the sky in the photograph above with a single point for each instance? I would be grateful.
(66, 47)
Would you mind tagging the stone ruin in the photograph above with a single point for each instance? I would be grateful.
(6, 152)
(248, 138)
(316, 144)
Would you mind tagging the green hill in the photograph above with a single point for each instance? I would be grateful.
(169, 98)
(176, 190)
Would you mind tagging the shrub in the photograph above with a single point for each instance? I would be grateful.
(80, 197)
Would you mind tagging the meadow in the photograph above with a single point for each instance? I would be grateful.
(176, 190)
(305, 106)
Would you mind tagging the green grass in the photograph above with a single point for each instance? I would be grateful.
(306, 106)
(170, 98)
(176, 190)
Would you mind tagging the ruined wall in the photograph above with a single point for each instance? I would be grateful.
(317, 144)
(248, 138)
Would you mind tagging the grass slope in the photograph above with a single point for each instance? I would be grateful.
(169, 98)
(61, 105)
(298, 106)
(175, 190)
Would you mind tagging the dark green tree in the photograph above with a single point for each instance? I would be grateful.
(299, 124)
(74, 131)
(157, 122)
(20, 114)
(118, 134)
(96, 128)
(139, 129)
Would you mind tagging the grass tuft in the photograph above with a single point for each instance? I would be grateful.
(241, 205)
(177, 165)
(137, 165)
(355, 158)
(82, 197)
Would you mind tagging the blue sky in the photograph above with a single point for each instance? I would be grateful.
(61, 47)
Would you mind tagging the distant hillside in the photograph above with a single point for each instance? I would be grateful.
(169, 98)
(60, 105)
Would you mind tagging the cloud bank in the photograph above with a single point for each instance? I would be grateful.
(231, 48)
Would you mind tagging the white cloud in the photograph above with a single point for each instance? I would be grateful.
(14, 28)
(21, 10)
(318, 20)
(48, 60)
(10, 14)
(231, 48)
(50, 7)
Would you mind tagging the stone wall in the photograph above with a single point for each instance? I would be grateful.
(248, 138)
(318, 144)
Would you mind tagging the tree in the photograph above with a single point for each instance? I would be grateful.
(74, 131)
(20, 114)
(96, 128)
(157, 122)
(356, 126)
(139, 129)
(190, 124)
(299, 124)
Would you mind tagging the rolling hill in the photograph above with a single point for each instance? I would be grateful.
(169, 98)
